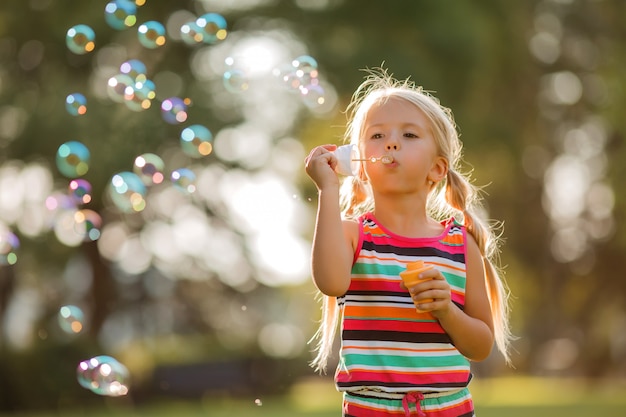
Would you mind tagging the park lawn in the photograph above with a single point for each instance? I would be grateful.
(316, 397)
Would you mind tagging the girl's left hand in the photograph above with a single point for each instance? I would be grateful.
(432, 293)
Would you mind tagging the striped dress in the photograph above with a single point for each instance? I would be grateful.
(386, 345)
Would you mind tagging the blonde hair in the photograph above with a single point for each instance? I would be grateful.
(455, 197)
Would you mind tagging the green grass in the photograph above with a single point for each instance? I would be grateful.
(508, 397)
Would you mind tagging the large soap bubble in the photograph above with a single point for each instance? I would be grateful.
(73, 159)
(120, 14)
(128, 192)
(80, 39)
(196, 141)
(103, 375)
(151, 34)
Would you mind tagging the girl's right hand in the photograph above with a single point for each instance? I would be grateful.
(320, 166)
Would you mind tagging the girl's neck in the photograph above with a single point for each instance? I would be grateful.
(406, 218)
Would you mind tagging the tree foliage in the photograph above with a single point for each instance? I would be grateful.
(508, 70)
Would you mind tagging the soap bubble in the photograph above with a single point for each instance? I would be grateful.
(72, 159)
(191, 33)
(71, 319)
(213, 27)
(149, 167)
(88, 224)
(313, 95)
(146, 89)
(119, 86)
(135, 69)
(196, 141)
(9, 244)
(236, 80)
(139, 96)
(151, 34)
(120, 14)
(174, 110)
(236, 76)
(301, 72)
(80, 39)
(127, 192)
(59, 202)
(304, 65)
(184, 180)
(76, 104)
(80, 191)
(103, 375)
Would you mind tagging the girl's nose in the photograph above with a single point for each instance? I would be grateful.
(392, 143)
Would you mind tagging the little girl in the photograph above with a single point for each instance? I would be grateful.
(404, 351)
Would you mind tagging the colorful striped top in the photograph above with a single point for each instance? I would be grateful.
(386, 345)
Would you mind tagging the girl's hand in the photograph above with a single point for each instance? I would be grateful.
(432, 294)
(320, 166)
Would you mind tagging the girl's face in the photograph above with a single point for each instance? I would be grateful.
(398, 128)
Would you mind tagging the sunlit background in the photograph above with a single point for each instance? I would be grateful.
(155, 220)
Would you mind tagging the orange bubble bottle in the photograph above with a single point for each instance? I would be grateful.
(410, 276)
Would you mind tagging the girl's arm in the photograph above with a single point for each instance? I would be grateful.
(471, 329)
(333, 240)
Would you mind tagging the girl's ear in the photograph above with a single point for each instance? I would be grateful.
(439, 169)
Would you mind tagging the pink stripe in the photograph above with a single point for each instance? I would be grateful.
(414, 377)
(386, 325)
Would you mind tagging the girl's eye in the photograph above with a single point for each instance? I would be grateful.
(410, 135)
(377, 136)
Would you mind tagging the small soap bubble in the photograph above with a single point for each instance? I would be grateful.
(139, 96)
(80, 191)
(103, 375)
(174, 110)
(80, 39)
(120, 14)
(76, 104)
(258, 402)
(73, 159)
(9, 244)
(88, 224)
(135, 69)
(184, 180)
(305, 64)
(313, 95)
(151, 34)
(119, 86)
(213, 27)
(196, 141)
(146, 89)
(191, 33)
(128, 192)
(287, 76)
(60, 202)
(71, 319)
(302, 72)
(149, 167)
(236, 81)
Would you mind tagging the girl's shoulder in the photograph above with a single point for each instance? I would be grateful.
(353, 231)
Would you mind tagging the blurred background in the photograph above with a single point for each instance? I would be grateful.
(155, 218)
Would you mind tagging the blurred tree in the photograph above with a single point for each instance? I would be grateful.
(509, 72)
